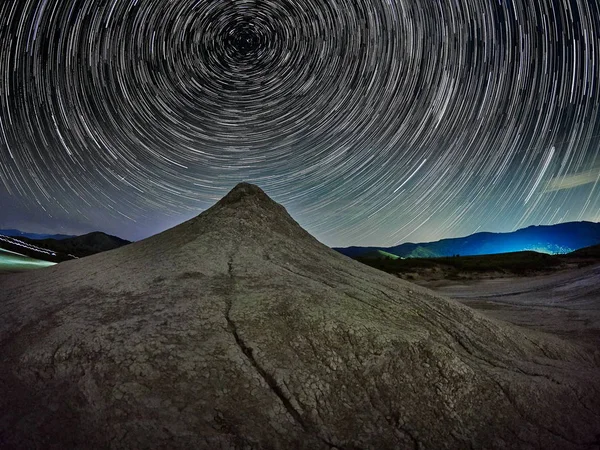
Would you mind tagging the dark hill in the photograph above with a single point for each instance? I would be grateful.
(588, 252)
(474, 267)
(68, 248)
(499, 265)
(239, 330)
(554, 239)
(85, 245)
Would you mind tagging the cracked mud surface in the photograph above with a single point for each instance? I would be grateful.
(565, 303)
(238, 330)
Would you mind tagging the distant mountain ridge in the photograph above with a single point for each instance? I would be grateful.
(19, 233)
(553, 239)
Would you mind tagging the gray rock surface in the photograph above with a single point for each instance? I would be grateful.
(237, 329)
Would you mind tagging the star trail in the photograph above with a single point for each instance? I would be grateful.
(373, 121)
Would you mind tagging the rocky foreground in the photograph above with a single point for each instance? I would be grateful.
(239, 330)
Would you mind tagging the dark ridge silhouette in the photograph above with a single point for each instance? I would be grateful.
(85, 245)
(587, 252)
(525, 263)
(64, 249)
(237, 329)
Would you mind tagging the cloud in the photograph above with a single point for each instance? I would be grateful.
(573, 180)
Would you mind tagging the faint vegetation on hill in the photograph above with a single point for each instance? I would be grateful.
(481, 266)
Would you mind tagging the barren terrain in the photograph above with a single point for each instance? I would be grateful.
(239, 330)
(566, 303)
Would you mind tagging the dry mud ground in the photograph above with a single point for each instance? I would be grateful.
(565, 303)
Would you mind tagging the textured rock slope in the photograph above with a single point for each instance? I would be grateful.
(237, 329)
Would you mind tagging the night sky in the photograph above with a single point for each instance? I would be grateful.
(372, 121)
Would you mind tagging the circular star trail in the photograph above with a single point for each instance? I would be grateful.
(373, 121)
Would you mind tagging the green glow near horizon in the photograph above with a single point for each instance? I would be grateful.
(11, 261)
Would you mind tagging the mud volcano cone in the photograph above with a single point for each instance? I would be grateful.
(237, 329)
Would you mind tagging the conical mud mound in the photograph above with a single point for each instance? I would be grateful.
(239, 330)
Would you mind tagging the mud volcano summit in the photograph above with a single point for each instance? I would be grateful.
(237, 329)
